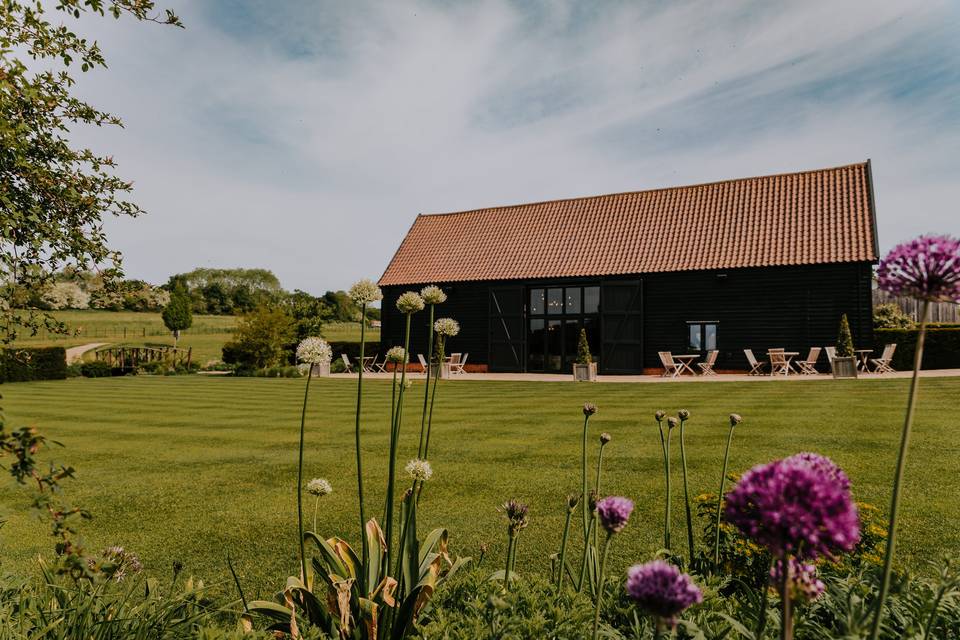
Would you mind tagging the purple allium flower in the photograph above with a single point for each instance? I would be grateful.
(802, 581)
(822, 464)
(516, 514)
(792, 507)
(661, 590)
(614, 513)
(927, 268)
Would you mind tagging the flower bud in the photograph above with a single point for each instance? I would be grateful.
(660, 415)
(683, 414)
(671, 422)
(605, 438)
(735, 419)
(589, 408)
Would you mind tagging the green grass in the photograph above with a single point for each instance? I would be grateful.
(192, 468)
(206, 337)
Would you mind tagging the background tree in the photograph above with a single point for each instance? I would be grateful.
(888, 315)
(53, 195)
(177, 315)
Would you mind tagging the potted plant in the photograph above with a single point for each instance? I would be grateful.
(584, 369)
(844, 365)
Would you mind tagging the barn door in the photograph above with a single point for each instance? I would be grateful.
(506, 329)
(621, 318)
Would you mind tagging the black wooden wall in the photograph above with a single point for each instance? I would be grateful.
(794, 307)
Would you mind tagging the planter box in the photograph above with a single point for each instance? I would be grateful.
(446, 371)
(844, 367)
(320, 370)
(585, 372)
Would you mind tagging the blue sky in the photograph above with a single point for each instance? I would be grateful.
(304, 137)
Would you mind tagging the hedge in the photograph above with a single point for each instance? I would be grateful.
(941, 349)
(23, 365)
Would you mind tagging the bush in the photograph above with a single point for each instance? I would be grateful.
(263, 339)
(941, 351)
(844, 339)
(96, 369)
(24, 365)
(889, 316)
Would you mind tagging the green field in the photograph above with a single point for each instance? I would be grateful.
(191, 468)
(206, 337)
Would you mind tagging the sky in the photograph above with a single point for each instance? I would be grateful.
(305, 137)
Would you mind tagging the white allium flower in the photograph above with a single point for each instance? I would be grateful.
(396, 355)
(419, 470)
(433, 295)
(407, 384)
(365, 291)
(446, 327)
(314, 351)
(319, 487)
(410, 302)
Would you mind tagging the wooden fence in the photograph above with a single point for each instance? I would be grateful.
(126, 358)
(939, 311)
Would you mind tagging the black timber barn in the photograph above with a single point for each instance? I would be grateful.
(763, 262)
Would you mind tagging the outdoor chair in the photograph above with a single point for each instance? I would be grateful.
(423, 363)
(756, 367)
(453, 362)
(378, 367)
(882, 364)
(831, 353)
(458, 368)
(346, 363)
(706, 367)
(670, 367)
(778, 362)
(809, 366)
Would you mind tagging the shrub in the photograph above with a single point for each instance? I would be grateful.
(264, 338)
(941, 350)
(23, 365)
(96, 369)
(177, 315)
(889, 316)
(844, 339)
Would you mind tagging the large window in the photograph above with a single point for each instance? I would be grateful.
(701, 337)
(555, 317)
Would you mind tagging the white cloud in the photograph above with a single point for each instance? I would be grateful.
(305, 139)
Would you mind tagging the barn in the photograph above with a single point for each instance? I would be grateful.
(770, 261)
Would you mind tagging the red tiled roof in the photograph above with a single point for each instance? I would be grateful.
(797, 218)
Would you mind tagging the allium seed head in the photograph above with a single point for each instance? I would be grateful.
(410, 302)
(446, 327)
(433, 295)
(319, 487)
(589, 408)
(396, 355)
(314, 350)
(419, 470)
(516, 514)
(614, 513)
(662, 590)
(365, 291)
(927, 268)
(735, 419)
(605, 438)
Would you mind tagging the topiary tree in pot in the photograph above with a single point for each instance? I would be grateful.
(584, 369)
(844, 365)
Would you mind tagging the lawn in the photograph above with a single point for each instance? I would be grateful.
(191, 468)
(206, 337)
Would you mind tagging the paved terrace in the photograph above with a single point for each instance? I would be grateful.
(723, 377)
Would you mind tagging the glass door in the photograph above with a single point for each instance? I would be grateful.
(555, 317)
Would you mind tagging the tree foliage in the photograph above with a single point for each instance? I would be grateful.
(844, 339)
(889, 316)
(263, 339)
(177, 315)
(53, 194)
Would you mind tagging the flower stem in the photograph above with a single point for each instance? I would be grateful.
(898, 477)
(686, 494)
(786, 606)
(394, 437)
(363, 519)
(316, 504)
(563, 549)
(764, 601)
(603, 568)
(586, 555)
(666, 467)
(723, 478)
(506, 571)
(667, 516)
(303, 422)
(585, 498)
(596, 531)
(441, 344)
(426, 388)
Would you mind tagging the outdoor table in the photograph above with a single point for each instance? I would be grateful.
(863, 358)
(366, 363)
(686, 360)
(788, 356)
